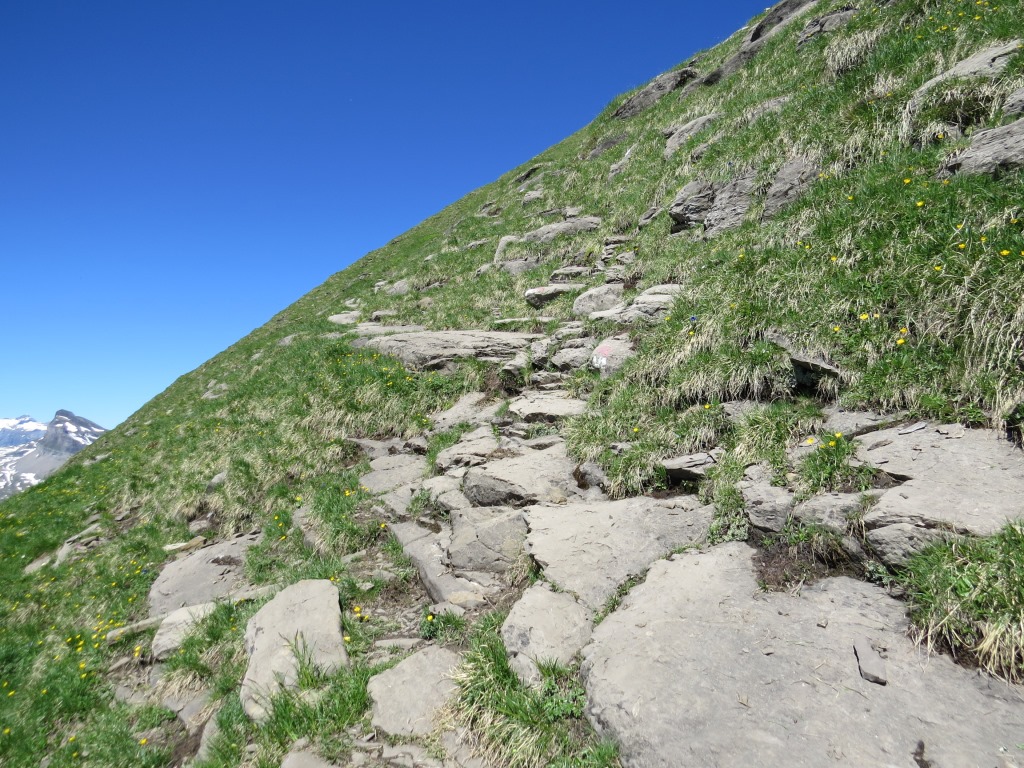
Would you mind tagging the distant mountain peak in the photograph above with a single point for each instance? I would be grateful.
(30, 450)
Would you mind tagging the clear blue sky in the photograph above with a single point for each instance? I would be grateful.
(174, 173)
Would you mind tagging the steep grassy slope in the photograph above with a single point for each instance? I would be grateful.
(909, 283)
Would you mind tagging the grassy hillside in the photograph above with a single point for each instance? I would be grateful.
(909, 283)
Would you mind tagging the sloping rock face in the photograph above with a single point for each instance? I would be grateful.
(591, 547)
(957, 480)
(679, 135)
(302, 621)
(201, 576)
(830, 22)
(649, 95)
(716, 206)
(994, 151)
(792, 180)
(698, 667)
(434, 349)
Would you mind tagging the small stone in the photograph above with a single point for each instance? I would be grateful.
(872, 667)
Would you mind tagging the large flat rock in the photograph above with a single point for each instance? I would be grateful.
(408, 698)
(303, 620)
(653, 304)
(471, 408)
(390, 472)
(552, 405)
(527, 479)
(957, 480)
(486, 539)
(428, 551)
(591, 547)
(434, 349)
(202, 576)
(699, 667)
(544, 626)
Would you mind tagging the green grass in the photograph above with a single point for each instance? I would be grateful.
(522, 727)
(967, 597)
(908, 284)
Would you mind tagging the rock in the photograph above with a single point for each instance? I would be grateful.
(400, 288)
(535, 476)
(1014, 104)
(569, 358)
(834, 511)
(549, 232)
(474, 448)
(648, 216)
(649, 95)
(544, 626)
(345, 318)
(486, 539)
(217, 481)
(591, 547)
(568, 274)
(133, 629)
(611, 354)
(532, 196)
(597, 299)
(992, 152)
(767, 506)
(605, 144)
(871, 666)
(538, 297)
(956, 480)
(389, 472)
(986, 63)
(303, 619)
(691, 467)
(732, 201)
(376, 329)
(175, 628)
(792, 180)
(829, 22)
(698, 654)
(678, 135)
(770, 107)
(692, 205)
(408, 697)
(471, 408)
(434, 349)
(183, 546)
(306, 523)
(619, 166)
(653, 304)
(376, 449)
(305, 759)
(202, 576)
(856, 423)
(429, 553)
(210, 733)
(39, 563)
(808, 368)
(549, 406)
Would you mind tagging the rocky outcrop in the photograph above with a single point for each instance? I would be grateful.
(651, 305)
(597, 299)
(994, 151)
(389, 472)
(955, 480)
(538, 297)
(549, 232)
(202, 576)
(301, 624)
(487, 539)
(715, 206)
(435, 349)
(792, 180)
(677, 136)
(548, 406)
(408, 698)
(649, 95)
(698, 664)
(544, 475)
(589, 548)
(829, 22)
(611, 354)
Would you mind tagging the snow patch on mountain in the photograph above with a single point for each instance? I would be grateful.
(31, 451)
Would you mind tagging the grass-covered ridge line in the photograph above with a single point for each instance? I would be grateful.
(909, 283)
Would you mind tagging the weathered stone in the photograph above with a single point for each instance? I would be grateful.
(591, 547)
(217, 481)
(175, 628)
(210, 733)
(808, 368)
(389, 472)
(732, 201)
(471, 408)
(870, 664)
(400, 288)
(568, 274)
(549, 406)
(345, 318)
(597, 299)
(201, 576)
(569, 358)
(378, 329)
(957, 480)
(649, 95)
(619, 166)
(993, 151)
(305, 759)
(692, 205)
(434, 349)
(408, 697)
(611, 354)
(474, 448)
(792, 180)
(829, 22)
(535, 476)
(691, 467)
(538, 297)
(653, 304)
(550, 232)
(834, 511)
(428, 552)
(678, 135)
(544, 626)
(770, 107)
(767, 506)
(486, 539)
(301, 621)
(648, 216)
(698, 654)
(605, 144)
(1014, 104)
(987, 63)
(533, 196)
(856, 423)
(445, 493)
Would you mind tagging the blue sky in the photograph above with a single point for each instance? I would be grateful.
(172, 174)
